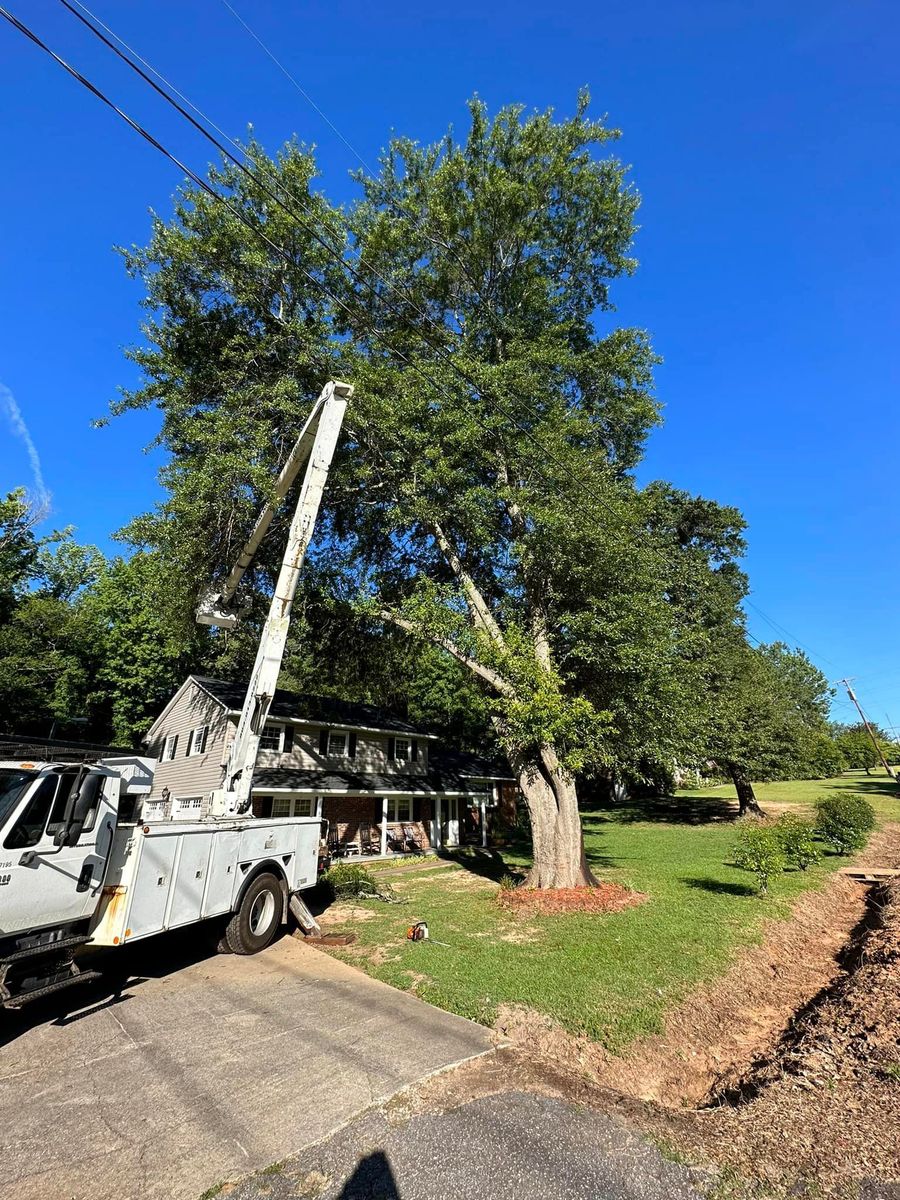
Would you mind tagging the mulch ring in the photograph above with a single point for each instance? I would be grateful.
(604, 898)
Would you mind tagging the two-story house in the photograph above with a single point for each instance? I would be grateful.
(383, 785)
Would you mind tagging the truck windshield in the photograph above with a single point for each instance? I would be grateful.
(12, 784)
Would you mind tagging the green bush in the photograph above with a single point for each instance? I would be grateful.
(845, 822)
(349, 879)
(759, 850)
(797, 839)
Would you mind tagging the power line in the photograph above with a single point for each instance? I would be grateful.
(444, 354)
(781, 629)
(306, 96)
(207, 189)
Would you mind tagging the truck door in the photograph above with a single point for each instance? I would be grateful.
(50, 884)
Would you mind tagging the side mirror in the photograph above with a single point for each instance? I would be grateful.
(84, 803)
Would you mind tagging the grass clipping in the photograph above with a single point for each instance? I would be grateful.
(602, 898)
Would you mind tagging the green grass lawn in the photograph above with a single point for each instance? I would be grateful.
(611, 977)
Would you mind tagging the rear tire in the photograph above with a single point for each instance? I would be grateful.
(253, 926)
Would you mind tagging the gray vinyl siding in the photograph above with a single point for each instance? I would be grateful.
(200, 773)
(371, 754)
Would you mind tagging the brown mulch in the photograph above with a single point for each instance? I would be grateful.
(603, 898)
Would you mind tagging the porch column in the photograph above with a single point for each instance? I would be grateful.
(384, 819)
(438, 836)
(483, 821)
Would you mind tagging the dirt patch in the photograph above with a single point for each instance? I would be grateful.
(726, 1025)
(823, 1107)
(604, 898)
(345, 914)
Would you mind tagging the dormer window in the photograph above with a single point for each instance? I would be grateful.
(402, 750)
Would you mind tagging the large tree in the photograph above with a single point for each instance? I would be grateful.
(482, 501)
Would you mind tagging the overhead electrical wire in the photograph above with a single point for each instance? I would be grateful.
(787, 633)
(259, 232)
(372, 330)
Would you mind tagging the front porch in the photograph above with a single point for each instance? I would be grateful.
(382, 827)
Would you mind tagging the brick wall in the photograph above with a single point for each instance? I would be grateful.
(358, 818)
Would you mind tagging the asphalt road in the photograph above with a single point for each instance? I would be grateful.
(201, 1071)
(499, 1147)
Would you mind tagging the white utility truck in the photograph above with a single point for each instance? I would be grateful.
(78, 865)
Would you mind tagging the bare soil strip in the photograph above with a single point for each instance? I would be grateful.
(821, 1112)
(723, 1028)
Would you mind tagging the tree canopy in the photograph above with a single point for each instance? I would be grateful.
(485, 556)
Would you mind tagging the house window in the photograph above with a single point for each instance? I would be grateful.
(293, 806)
(401, 750)
(188, 806)
(400, 808)
(337, 744)
(197, 740)
(272, 737)
(170, 745)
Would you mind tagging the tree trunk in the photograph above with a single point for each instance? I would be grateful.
(558, 843)
(747, 803)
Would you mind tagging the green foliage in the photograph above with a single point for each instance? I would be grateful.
(768, 714)
(18, 547)
(345, 880)
(149, 641)
(508, 882)
(50, 646)
(844, 821)
(759, 849)
(797, 840)
(856, 746)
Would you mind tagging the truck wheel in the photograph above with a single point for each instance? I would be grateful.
(253, 925)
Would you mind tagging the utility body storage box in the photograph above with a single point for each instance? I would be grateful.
(167, 874)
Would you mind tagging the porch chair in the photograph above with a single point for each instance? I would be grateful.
(411, 839)
(368, 843)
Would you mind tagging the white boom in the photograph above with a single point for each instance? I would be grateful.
(315, 447)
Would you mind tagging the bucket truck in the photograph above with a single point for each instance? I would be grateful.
(79, 867)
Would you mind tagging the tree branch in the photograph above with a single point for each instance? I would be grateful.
(481, 613)
(490, 676)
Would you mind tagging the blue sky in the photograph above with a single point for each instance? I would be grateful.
(764, 138)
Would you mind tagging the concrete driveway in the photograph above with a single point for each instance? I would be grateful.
(194, 1075)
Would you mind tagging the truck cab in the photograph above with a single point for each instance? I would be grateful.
(57, 826)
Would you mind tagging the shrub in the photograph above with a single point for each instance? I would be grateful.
(845, 822)
(759, 850)
(349, 879)
(797, 839)
(508, 882)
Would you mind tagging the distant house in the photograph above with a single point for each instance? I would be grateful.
(384, 785)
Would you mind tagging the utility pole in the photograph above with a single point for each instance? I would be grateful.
(869, 730)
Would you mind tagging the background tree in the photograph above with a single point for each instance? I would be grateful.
(148, 642)
(49, 648)
(768, 719)
(855, 745)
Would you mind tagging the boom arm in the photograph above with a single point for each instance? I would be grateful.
(315, 446)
